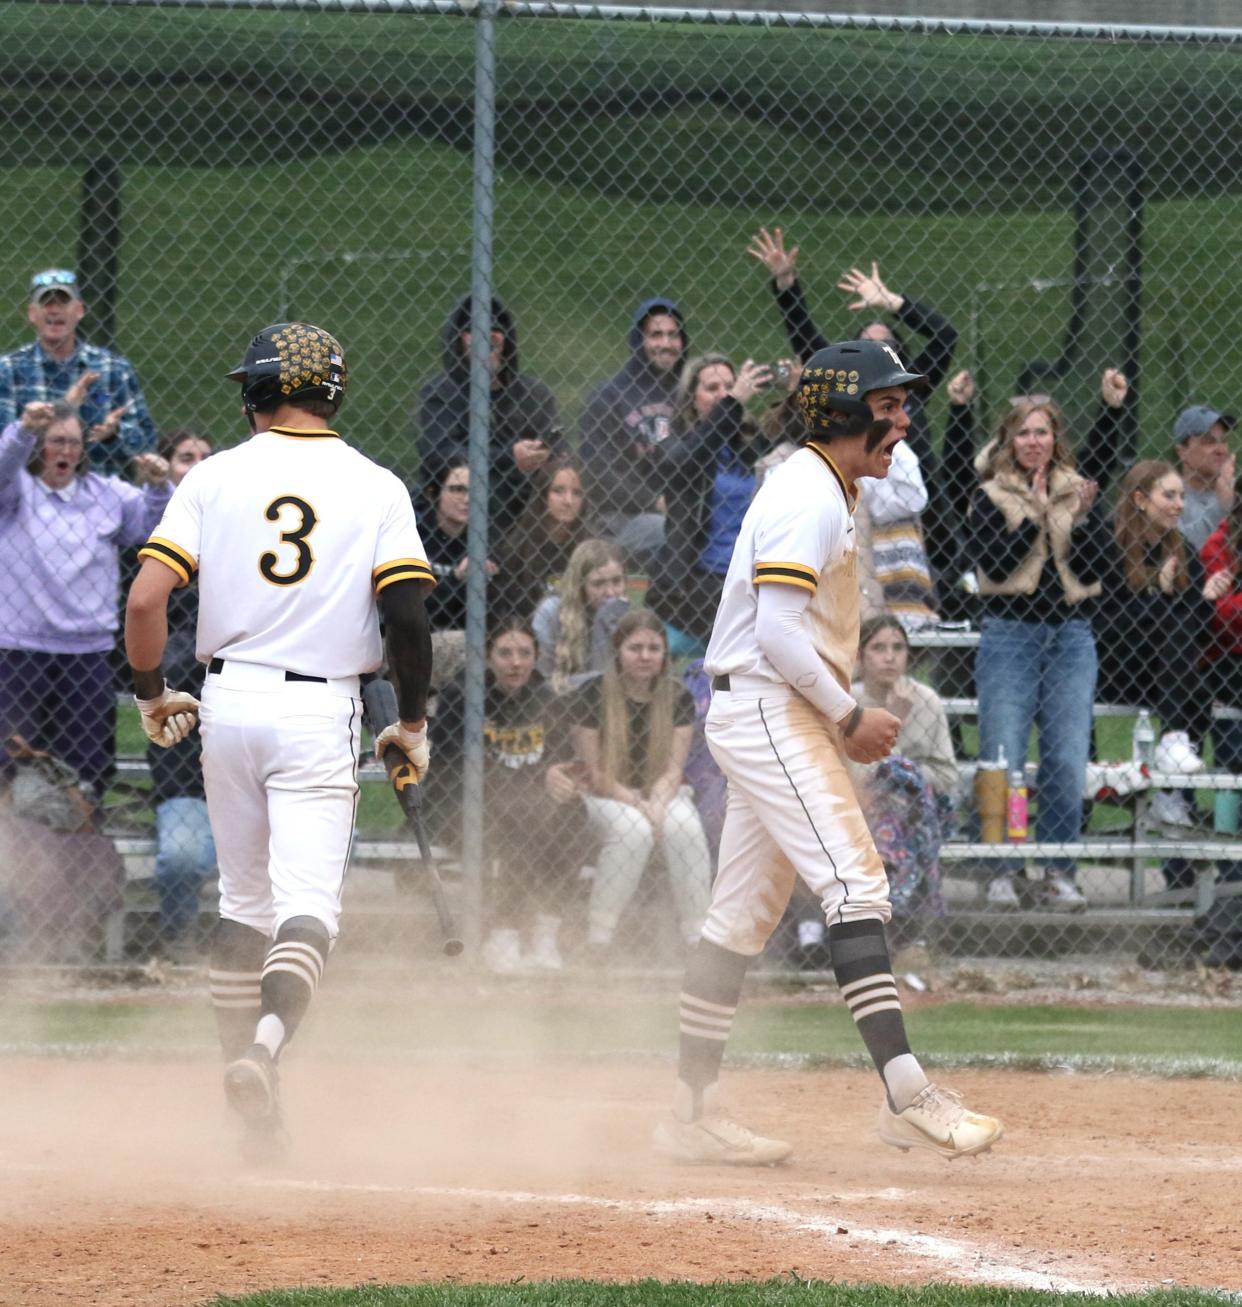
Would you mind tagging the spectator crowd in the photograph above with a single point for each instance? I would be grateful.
(1086, 580)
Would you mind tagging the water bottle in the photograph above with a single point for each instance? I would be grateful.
(1017, 806)
(1143, 740)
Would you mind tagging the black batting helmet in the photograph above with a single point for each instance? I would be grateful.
(836, 380)
(291, 360)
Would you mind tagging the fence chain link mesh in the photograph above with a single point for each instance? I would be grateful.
(1041, 217)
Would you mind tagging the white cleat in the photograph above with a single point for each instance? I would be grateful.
(716, 1140)
(938, 1121)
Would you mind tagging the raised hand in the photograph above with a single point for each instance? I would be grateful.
(871, 291)
(961, 388)
(36, 417)
(751, 378)
(151, 468)
(1114, 387)
(769, 248)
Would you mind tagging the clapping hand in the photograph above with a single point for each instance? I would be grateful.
(75, 396)
(871, 291)
(107, 429)
(769, 248)
(1218, 585)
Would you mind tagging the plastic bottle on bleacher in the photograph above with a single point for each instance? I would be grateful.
(1016, 811)
(1143, 740)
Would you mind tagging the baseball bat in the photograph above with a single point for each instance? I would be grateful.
(381, 707)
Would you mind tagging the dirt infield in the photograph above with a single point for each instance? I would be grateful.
(118, 1185)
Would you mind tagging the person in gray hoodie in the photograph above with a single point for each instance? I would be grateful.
(625, 419)
(524, 427)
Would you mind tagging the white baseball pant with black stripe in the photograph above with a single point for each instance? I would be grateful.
(280, 767)
(791, 811)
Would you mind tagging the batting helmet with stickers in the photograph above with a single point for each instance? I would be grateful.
(836, 380)
(291, 360)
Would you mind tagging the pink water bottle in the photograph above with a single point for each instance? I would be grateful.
(1017, 816)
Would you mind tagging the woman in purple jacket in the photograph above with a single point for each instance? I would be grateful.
(61, 531)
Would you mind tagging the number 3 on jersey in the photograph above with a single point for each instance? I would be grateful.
(306, 523)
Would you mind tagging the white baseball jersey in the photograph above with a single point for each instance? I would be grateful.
(798, 530)
(292, 535)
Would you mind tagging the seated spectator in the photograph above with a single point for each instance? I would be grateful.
(185, 851)
(534, 825)
(1154, 621)
(909, 797)
(1035, 543)
(100, 384)
(61, 530)
(1208, 467)
(443, 533)
(633, 728)
(533, 556)
(624, 420)
(708, 466)
(574, 627)
(523, 433)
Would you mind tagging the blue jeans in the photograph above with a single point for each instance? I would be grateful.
(185, 858)
(1028, 673)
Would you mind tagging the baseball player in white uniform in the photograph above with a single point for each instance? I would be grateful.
(781, 725)
(292, 535)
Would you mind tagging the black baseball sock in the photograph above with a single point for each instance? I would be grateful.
(235, 966)
(864, 974)
(709, 1000)
(291, 973)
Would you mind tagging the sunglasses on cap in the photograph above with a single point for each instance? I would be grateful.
(52, 280)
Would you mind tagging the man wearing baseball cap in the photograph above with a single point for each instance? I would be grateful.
(1207, 465)
(101, 384)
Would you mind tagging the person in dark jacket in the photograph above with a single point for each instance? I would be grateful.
(709, 466)
(534, 821)
(624, 421)
(524, 430)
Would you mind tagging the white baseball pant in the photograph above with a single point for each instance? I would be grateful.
(791, 811)
(280, 767)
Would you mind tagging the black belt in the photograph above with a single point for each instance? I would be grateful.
(720, 683)
(217, 665)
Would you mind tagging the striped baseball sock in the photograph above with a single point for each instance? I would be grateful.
(864, 974)
(291, 974)
(233, 974)
(709, 1000)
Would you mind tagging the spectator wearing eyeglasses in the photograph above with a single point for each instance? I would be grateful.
(61, 531)
(99, 383)
(443, 532)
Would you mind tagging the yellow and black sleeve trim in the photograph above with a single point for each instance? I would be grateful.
(787, 574)
(170, 555)
(402, 569)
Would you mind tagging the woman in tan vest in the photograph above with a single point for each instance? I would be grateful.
(1036, 542)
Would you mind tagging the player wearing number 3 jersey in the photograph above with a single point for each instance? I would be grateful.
(292, 536)
(781, 725)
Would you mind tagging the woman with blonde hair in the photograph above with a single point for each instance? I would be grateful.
(574, 627)
(1036, 538)
(632, 727)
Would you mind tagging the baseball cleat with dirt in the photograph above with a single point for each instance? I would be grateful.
(250, 1086)
(937, 1120)
(716, 1140)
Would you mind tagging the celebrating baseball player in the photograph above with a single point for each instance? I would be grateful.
(781, 725)
(288, 568)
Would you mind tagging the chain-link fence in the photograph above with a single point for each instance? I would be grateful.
(683, 209)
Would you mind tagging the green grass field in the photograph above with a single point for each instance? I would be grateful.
(319, 166)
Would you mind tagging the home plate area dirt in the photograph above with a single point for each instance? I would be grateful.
(119, 1183)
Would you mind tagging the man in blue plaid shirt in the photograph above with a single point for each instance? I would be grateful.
(56, 365)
